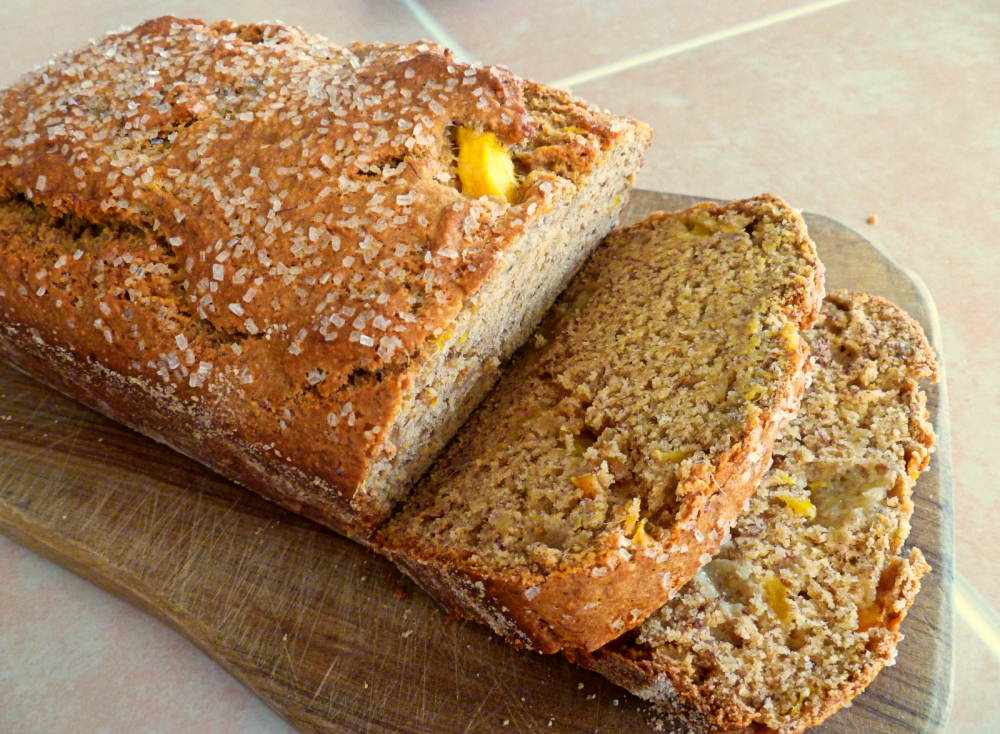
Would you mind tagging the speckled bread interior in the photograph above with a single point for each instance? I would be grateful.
(606, 466)
(253, 245)
(801, 607)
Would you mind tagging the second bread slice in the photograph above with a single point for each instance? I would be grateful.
(604, 470)
(801, 608)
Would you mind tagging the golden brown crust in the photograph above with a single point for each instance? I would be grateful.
(600, 383)
(264, 233)
(801, 610)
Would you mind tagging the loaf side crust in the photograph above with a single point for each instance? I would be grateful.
(252, 245)
(800, 611)
(658, 517)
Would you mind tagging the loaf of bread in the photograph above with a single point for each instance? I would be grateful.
(801, 607)
(605, 468)
(297, 263)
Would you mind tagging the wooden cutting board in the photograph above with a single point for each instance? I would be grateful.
(332, 637)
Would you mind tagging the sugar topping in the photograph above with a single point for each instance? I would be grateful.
(250, 205)
(151, 125)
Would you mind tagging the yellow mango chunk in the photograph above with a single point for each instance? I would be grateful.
(871, 616)
(701, 224)
(790, 337)
(484, 165)
(641, 538)
(441, 339)
(632, 516)
(801, 506)
(796, 707)
(673, 457)
(588, 484)
(776, 597)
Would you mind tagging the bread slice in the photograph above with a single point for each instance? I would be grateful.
(606, 466)
(259, 248)
(801, 608)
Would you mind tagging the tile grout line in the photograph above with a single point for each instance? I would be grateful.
(438, 32)
(600, 72)
(977, 613)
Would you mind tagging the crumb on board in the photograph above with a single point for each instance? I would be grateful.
(873, 219)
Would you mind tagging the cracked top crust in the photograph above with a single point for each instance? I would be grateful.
(245, 216)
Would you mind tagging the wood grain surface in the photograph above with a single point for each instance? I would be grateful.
(331, 636)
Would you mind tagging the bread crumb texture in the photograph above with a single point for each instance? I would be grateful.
(605, 468)
(268, 230)
(801, 607)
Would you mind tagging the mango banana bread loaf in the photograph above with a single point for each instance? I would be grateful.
(297, 263)
(607, 465)
(801, 607)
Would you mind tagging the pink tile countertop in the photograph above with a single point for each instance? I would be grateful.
(848, 109)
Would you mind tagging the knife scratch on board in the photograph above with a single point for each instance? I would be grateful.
(170, 548)
(8, 470)
(183, 575)
(222, 532)
(38, 451)
(316, 617)
(263, 593)
(124, 519)
(286, 653)
(482, 702)
(301, 598)
(322, 683)
(96, 514)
